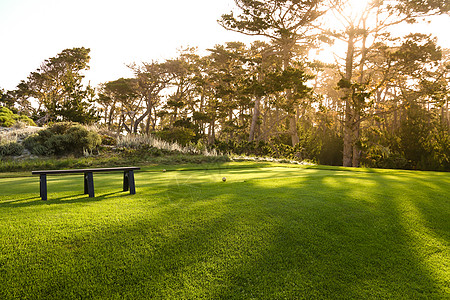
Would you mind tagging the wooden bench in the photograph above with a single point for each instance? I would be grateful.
(128, 178)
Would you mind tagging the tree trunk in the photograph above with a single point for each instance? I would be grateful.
(211, 133)
(147, 124)
(348, 118)
(357, 108)
(110, 117)
(348, 149)
(448, 114)
(292, 117)
(356, 149)
(121, 121)
(149, 116)
(139, 120)
(255, 119)
(126, 127)
(293, 129)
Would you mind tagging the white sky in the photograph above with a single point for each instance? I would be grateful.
(118, 32)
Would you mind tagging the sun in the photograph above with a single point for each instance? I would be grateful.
(354, 9)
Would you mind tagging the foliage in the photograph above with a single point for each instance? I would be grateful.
(278, 20)
(331, 148)
(108, 140)
(62, 139)
(8, 118)
(313, 145)
(6, 99)
(57, 85)
(378, 156)
(11, 149)
(181, 135)
(421, 142)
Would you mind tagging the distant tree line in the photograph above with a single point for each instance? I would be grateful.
(384, 104)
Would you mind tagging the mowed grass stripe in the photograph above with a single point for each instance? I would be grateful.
(266, 233)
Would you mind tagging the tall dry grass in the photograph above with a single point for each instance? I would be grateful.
(135, 141)
(17, 133)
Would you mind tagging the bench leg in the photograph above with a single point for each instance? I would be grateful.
(43, 186)
(126, 181)
(131, 182)
(86, 191)
(89, 184)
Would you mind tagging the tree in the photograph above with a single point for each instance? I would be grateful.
(5, 100)
(152, 78)
(262, 61)
(289, 26)
(182, 102)
(228, 74)
(57, 86)
(362, 33)
(120, 97)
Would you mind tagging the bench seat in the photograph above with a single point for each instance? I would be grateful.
(128, 178)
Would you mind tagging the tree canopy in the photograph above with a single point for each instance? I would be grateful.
(57, 87)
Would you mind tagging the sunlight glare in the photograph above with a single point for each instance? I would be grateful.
(355, 8)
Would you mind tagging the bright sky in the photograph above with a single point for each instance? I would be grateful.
(117, 32)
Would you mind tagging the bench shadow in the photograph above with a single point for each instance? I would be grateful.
(74, 198)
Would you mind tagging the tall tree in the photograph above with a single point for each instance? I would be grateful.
(262, 61)
(152, 79)
(57, 86)
(362, 32)
(228, 74)
(183, 101)
(289, 24)
(6, 99)
(119, 98)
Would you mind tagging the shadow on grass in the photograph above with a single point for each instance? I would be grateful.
(317, 235)
(69, 199)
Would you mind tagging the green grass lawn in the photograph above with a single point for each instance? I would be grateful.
(268, 232)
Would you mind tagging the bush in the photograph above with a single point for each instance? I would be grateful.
(61, 139)
(108, 140)
(377, 156)
(331, 150)
(11, 149)
(79, 138)
(8, 118)
(180, 135)
(302, 151)
(6, 121)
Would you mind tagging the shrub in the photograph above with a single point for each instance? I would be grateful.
(62, 138)
(377, 156)
(108, 140)
(11, 149)
(180, 135)
(331, 150)
(6, 121)
(23, 119)
(60, 128)
(79, 138)
(8, 118)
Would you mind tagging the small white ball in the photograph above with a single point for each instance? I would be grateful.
(164, 170)
(224, 179)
